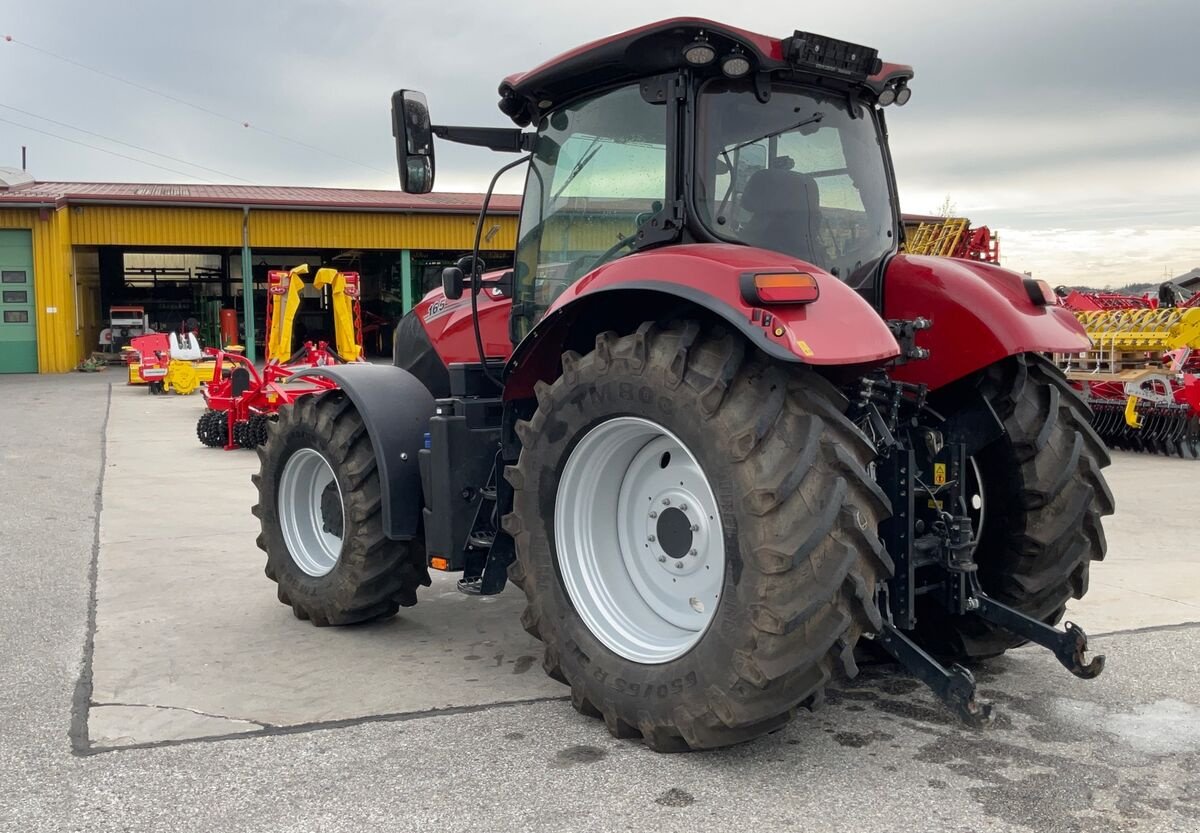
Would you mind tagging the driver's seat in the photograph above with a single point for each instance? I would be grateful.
(786, 209)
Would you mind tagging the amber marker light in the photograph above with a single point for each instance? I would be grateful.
(439, 563)
(767, 288)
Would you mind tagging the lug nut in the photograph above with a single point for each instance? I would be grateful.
(666, 501)
(678, 565)
(693, 551)
(683, 506)
(695, 527)
(662, 559)
(651, 539)
(653, 514)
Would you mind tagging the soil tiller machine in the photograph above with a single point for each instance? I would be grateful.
(1141, 377)
(168, 363)
(713, 424)
(244, 400)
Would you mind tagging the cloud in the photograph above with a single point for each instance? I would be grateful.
(1070, 116)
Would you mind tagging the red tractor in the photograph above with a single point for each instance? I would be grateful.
(712, 424)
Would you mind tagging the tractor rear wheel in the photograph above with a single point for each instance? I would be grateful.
(321, 517)
(696, 536)
(1042, 496)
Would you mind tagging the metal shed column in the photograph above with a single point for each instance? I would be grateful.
(247, 286)
(406, 287)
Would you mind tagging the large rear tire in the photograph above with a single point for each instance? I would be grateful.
(1043, 495)
(779, 503)
(321, 518)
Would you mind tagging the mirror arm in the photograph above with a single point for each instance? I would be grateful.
(504, 139)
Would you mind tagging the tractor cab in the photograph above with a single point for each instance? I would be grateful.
(687, 131)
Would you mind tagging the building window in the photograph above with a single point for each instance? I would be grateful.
(16, 316)
(16, 296)
(15, 276)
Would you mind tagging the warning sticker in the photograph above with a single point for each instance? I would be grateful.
(939, 474)
(804, 348)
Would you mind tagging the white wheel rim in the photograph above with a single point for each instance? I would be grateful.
(304, 519)
(976, 501)
(639, 541)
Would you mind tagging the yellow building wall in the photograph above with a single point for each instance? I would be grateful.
(114, 225)
(66, 333)
(59, 345)
(133, 225)
(360, 230)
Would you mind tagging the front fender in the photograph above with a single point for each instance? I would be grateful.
(981, 314)
(839, 328)
(396, 408)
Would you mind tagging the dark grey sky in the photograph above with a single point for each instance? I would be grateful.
(1071, 126)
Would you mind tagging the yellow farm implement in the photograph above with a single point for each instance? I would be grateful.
(1140, 378)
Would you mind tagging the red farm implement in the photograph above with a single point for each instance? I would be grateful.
(1141, 378)
(241, 404)
(242, 401)
(954, 237)
(1078, 300)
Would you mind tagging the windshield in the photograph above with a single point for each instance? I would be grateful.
(598, 169)
(797, 175)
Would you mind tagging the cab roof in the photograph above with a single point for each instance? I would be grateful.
(652, 49)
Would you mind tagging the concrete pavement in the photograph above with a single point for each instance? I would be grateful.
(234, 716)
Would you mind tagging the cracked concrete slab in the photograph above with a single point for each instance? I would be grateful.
(113, 726)
(186, 620)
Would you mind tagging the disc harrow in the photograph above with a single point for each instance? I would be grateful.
(1141, 378)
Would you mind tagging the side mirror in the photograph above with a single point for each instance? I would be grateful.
(414, 141)
(452, 283)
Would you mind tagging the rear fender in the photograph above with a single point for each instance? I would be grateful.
(396, 408)
(839, 328)
(981, 314)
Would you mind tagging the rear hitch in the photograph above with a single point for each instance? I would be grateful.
(955, 685)
(1069, 644)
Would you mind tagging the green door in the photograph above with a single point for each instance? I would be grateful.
(18, 328)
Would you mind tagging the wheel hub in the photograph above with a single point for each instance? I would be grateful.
(674, 532)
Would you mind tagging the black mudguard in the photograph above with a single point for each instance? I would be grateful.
(396, 408)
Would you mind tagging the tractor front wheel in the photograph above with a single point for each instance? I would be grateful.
(696, 536)
(321, 517)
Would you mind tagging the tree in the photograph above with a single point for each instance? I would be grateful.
(948, 208)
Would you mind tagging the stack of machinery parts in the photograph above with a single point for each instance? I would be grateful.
(954, 237)
(1142, 377)
(243, 400)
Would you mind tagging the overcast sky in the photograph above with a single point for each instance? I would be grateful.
(1072, 127)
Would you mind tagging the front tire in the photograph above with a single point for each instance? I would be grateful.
(321, 518)
(776, 481)
(1044, 496)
